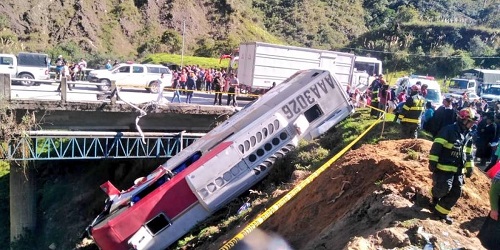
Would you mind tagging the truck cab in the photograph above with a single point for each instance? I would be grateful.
(462, 85)
(30, 66)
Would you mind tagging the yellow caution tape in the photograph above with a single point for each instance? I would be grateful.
(271, 210)
(189, 90)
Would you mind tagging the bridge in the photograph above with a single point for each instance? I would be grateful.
(87, 124)
(63, 145)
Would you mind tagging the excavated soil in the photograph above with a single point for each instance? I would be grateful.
(377, 197)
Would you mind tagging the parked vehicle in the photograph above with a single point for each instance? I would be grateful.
(434, 94)
(461, 85)
(474, 80)
(131, 75)
(491, 92)
(372, 66)
(470, 95)
(29, 66)
(215, 169)
(261, 64)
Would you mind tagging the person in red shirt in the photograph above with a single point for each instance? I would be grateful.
(423, 90)
(384, 96)
(402, 96)
(183, 78)
(208, 80)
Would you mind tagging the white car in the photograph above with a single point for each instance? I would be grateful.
(132, 75)
(27, 66)
(433, 87)
(471, 95)
(491, 94)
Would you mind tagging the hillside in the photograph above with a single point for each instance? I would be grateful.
(394, 30)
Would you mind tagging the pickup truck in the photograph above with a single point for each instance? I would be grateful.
(30, 66)
(131, 75)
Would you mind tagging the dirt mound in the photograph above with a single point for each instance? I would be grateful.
(377, 197)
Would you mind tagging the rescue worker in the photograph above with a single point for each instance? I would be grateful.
(374, 88)
(449, 159)
(411, 112)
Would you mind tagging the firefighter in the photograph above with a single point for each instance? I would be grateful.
(411, 112)
(449, 159)
(374, 88)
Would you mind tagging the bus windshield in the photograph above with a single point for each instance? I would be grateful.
(371, 65)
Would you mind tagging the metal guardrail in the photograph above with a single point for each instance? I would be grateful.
(63, 145)
(51, 81)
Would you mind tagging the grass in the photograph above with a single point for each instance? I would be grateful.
(409, 223)
(258, 33)
(204, 62)
(413, 155)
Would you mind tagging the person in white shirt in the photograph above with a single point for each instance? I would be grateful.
(67, 74)
(161, 84)
(233, 87)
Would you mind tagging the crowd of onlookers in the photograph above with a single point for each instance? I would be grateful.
(185, 80)
(194, 78)
(71, 70)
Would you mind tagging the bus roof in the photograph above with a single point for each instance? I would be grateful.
(366, 59)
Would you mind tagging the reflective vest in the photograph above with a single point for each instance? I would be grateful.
(374, 88)
(412, 109)
(452, 150)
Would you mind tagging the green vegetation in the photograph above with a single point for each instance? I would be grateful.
(412, 154)
(188, 60)
(437, 38)
(409, 223)
(4, 205)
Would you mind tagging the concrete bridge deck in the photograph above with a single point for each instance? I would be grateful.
(104, 116)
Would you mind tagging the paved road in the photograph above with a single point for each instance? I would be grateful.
(86, 92)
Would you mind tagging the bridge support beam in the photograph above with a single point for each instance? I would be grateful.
(22, 200)
(5, 88)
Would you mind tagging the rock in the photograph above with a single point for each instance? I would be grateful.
(52, 246)
(358, 243)
(391, 238)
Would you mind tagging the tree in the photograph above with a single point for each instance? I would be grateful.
(478, 47)
(205, 47)
(407, 14)
(459, 61)
(70, 50)
(153, 45)
(172, 40)
(491, 17)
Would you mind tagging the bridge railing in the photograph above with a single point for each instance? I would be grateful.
(64, 145)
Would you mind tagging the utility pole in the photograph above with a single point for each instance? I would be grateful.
(183, 31)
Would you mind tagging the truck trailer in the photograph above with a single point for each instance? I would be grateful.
(262, 64)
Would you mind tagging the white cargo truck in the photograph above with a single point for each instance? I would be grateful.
(29, 66)
(262, 64)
